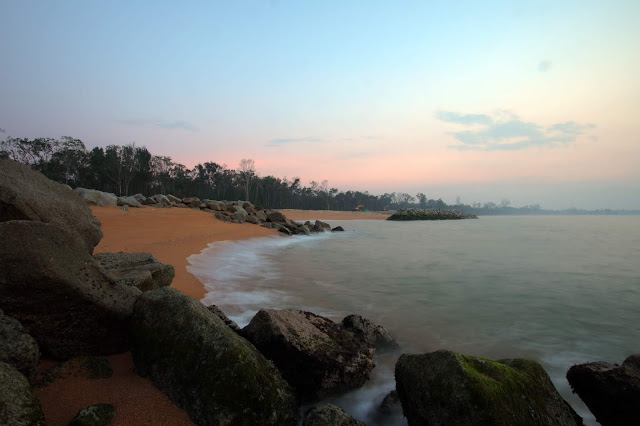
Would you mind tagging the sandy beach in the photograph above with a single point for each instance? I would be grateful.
(171, 235)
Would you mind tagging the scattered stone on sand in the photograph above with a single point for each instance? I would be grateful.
(611, 392)
(17, 347)
(203, 366)
(141, 270)
(374, 334)
(329, 415)
(317, 356)
(53, 286)
(94, 415)
(18, 404)
(446, 388)
(28, 195)
(88, 367)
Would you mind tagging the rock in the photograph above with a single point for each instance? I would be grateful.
(445, 388)
(338, 229)
(215, 205)
(97, 198)
(215, 375)
(435, 214)
(329, 415)
(374, 334)
(390, 405)
(611, 392)
(261, 215)
(239, 215)
(129, 201)
(161, 199)
(298, 229)
(275, 216)
(222, 216)
(317, 356)
(192, 201)
(180, 205)
(141, 198)
(173, 199)
(18, 404)
(94, 415)
(281, 228)
(230, 323)
(321, 226)
(88, 367)
(17, 347)
(268, 225)
(54, 287)
(253, 219)
(148, 201)
(249, 208)
(28, 195)
(141, 270)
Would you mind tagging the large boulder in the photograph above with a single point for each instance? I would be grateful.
(446, 388)
(28, 195)
(97, 198)
(220, 314)
(17, 347)
(374, 334)
(54, 287)
(316, 355)
(611, 392)
(329, 415)
(141, 270)
(18, 404)
(130, 201)
(215, 375)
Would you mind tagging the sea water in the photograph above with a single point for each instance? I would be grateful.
(557, 289)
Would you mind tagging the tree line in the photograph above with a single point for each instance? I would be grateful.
(130, 169)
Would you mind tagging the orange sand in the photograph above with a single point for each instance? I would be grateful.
(171, 235)
(333, 214)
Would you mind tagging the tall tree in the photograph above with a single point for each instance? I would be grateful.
(247, 172)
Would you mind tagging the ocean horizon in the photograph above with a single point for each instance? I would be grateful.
(560, 290)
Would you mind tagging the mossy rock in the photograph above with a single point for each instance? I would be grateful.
(204, 367)
(443, 388)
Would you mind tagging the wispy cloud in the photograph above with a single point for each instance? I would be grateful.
(505, 131)
(283, 141)
(545, 66)
(177, 124)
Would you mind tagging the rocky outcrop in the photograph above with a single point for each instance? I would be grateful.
(321, 226)
(372, 333)
(94, 415)
(329, 415)
(88, 367)
(18, 404)
(275, 216)
(161, 200)
(203, 366)
(53, 286)
(17, 347)
(611, 392)
(28, 195)
(338, 229)
(94, 197)
(141, 270)
(130, 201)
(230, 323)
(445, 388)
(436, 214)
(317, 356)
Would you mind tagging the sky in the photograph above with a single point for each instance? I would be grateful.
(534, 102)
